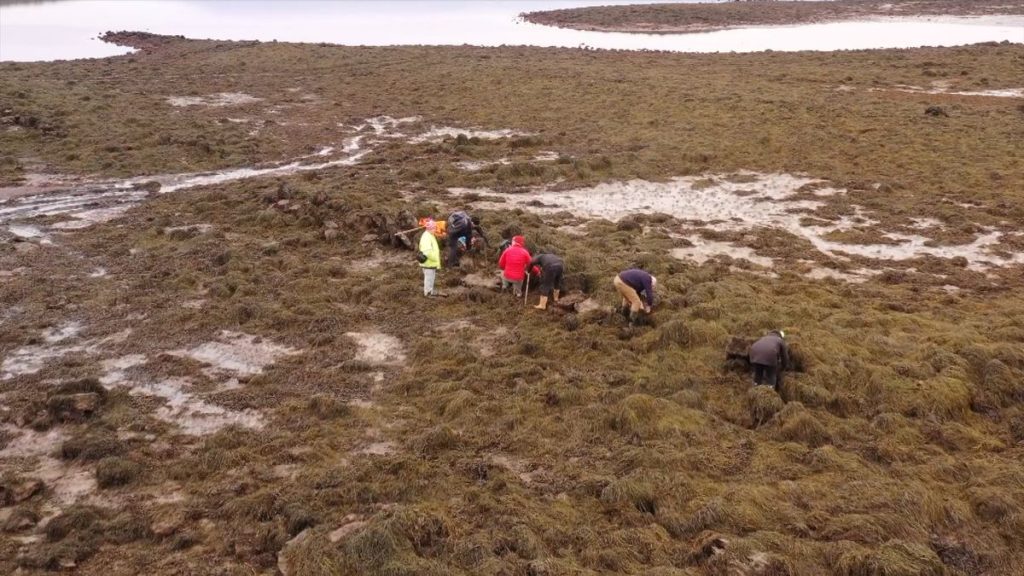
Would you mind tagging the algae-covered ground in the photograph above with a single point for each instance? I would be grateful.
(238, 378)
(707, 16)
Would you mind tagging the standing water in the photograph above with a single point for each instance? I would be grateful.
(68, 29)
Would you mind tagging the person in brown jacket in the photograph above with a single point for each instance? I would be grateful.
(769, 356)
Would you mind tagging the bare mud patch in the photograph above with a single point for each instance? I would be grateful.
(520, 468)
(857, 276)
(439, 133)
(379, 449)
(28, 232)
(486, 342)
(214, 100)
(481, 280)
(478, 165)
(87, 203)
(944, 89)
(62, 332)
(377, 261)
(378, 349)
(66, 483)
(114, 369)
(237, 353)
(746, 202)
(703, 250)
(38, 183)
(384, 126)
(732, 205)
(188, 230)
(192, 414)
(32, 358)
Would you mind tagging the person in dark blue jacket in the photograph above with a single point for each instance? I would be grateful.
(637, 290)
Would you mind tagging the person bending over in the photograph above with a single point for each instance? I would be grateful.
(769, 356)
(460, 232)
(550, 268)
(637, 290)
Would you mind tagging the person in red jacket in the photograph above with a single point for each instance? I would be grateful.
(513, 263)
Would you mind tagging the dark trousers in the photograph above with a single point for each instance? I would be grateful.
(550, 279)
(768, 375)
(453, 246)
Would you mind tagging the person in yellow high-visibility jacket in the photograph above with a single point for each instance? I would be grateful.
(429, 257)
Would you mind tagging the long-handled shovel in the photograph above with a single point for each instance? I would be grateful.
(526, 293)
(405, 239)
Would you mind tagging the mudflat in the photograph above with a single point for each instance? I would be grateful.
(214, 359)
(705, 17)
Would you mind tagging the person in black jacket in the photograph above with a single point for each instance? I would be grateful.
(769, 356)
(460, 232)
(550, 268)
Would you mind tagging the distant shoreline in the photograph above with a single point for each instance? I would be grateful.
(710, 17)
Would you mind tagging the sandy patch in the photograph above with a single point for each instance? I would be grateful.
(237, 353)
(378, 349)
(218, 99)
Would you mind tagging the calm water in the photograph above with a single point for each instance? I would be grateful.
(65, 29)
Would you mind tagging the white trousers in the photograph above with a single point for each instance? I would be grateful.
(429, 275)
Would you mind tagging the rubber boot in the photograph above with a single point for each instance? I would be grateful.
(543, 304)
(555, 295)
